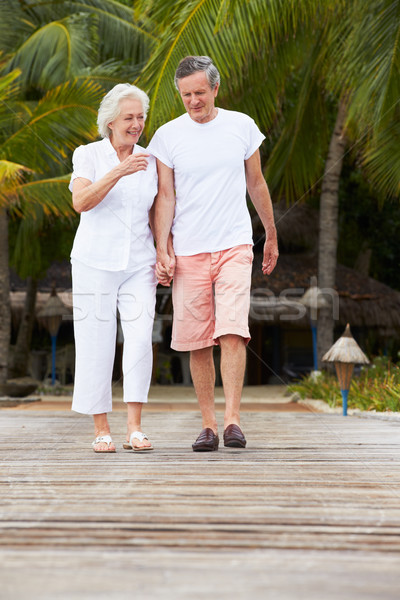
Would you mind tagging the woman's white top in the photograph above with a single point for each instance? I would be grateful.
(208, 160)
(115, 235)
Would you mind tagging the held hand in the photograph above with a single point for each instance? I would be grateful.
(165, 268)
(134, 163)
(270, 257)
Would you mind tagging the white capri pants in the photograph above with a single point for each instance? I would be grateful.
(96, 296)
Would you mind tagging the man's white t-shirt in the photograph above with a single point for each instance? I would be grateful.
(210, 184)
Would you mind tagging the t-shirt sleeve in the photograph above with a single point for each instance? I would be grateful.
(82, 164)
(254, 138)
(158, 148)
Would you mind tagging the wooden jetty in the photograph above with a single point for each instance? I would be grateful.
(309, 510)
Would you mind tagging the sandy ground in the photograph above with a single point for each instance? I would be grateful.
(174, 397)
(258, 398)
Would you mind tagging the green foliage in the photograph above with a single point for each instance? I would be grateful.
(53, 41)
(297, 159)
(34, 155)
(64, 117)
(377, 387)
(36, 243)
(324, 386)
(35, 145)
(366, 68)
(55, 52)
(237, 35)
(286, 64)
(361, 215)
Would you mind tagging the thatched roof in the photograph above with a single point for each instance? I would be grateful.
(58, 275)
(18, 300)
(363, 301)
(346, 350)
(296, 225)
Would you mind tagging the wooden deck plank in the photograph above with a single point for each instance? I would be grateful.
(311, 509)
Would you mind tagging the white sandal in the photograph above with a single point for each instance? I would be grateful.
(137, 435)
(103, 438)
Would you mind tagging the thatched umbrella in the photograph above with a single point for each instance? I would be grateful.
(345, 353)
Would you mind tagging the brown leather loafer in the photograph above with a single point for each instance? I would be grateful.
(206, 442)
(233, 437)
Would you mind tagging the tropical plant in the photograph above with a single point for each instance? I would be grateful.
(376, 387)
(34, 142)
(319, 76)
(10, 174)
(243, 39)
(51, 43)
(364, 74)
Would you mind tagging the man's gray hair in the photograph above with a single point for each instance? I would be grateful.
(194, 64)
(110, 107)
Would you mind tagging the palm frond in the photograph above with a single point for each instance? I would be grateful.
(297, 158)
(118, 15)
(156, 15)
(121, 33)
(197, 28)
(192, 33)
(36, 242)
(26, 255)
(11, 175)
(9, 91)
(15, 26)
(43, 198)
(381, 160)
(370, 61)
(367, 60)
(62, 120)
(63, 38)
(262, 85)
(56, 52)
(7, 85)
(110, 73)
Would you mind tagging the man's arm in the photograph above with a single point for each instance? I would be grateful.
(163, 216)
(259, 194)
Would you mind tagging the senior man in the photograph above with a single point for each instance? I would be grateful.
(205, 159)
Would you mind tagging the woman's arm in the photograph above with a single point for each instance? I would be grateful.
(86, 194)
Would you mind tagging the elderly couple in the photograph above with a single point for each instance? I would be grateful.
(188, 189)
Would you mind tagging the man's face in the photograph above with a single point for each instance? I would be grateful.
(198, 97)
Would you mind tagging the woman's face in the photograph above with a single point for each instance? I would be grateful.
(127, 128)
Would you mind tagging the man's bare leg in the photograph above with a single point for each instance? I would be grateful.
(203, 375)
(233, 365)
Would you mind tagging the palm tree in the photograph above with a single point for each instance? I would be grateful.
(51, 43)
(34, 143)
(299, 63)
(366, 80)
(353, 69)
(242, 38)
(271, 67)
(10, 174)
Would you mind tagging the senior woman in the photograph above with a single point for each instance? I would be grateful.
(113, 186)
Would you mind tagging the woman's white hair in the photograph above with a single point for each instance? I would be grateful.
(110, 105)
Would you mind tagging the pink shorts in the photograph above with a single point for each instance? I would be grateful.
(211, 297)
